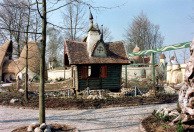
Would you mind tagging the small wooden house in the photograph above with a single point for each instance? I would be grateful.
(95, 63)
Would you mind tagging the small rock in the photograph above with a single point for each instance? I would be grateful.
(43, 126)
(159, 111)
(174, 113)
(95, 97)
(167, 109)
(101, 97)
(47, 129)
(165, 113)
(54, 81)
(90, 97)
(30, 129)
(21, 90)
(37, 129)
(14, 100)
(34, 125)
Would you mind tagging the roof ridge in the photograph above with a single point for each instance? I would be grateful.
(75, 41)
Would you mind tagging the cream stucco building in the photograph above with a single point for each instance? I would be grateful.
(175, 71)
(172, 72)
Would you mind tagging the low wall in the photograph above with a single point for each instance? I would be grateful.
(58, 74)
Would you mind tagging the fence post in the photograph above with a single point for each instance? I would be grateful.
(135, 91)
(88, 91)
(64, 72)
(125, 76)
(153, 64)
(0, 81)
(68, 93)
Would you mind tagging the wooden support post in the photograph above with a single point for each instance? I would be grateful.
(125, 76)
(68, 93)
(88, 91)
(153, 64)
(64, 72)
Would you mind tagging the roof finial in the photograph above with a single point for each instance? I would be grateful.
(91, 17)
(101, 36)
(175, 59)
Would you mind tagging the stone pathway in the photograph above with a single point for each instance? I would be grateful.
(117, 119)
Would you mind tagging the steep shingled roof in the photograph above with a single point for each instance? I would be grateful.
(77, 53)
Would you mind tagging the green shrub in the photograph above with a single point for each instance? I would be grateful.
(178, 107)
(154, 112)
(179, 126)
(36, 79)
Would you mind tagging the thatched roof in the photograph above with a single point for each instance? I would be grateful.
(33, 58)
(10, 66)
(3, 50)
(17, 66)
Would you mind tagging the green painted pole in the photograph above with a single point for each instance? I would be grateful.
(125, 76)
(153, 64)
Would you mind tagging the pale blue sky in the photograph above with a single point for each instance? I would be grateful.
(173, 16)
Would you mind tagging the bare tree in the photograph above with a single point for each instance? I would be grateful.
(54, 44)
(143, 33)
(74, 20)
(107, 36)
(26, 43)
(12, 15)
(14, 21)
(184, 54)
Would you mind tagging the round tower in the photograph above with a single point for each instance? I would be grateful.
(175, 64)
(169, 72)
(136, 59)
(162, 58)
(176, 71)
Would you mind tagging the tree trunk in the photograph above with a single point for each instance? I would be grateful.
(42, 66)
(186, 93)
(26, 73)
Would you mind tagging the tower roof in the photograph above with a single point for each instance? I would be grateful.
(162, 56)
(175, 60)
(90, 16)
(169, 63)
(136, 49)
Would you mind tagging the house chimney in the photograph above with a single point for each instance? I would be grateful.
(101, 36)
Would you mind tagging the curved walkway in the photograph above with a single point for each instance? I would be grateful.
(116, 119)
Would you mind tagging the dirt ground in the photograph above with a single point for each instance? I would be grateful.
(114, 119)
(80, 103)
(155, 124)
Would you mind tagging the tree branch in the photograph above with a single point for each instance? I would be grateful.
(61, 27)
(38, 9)
(60, 7)
(19, 31)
